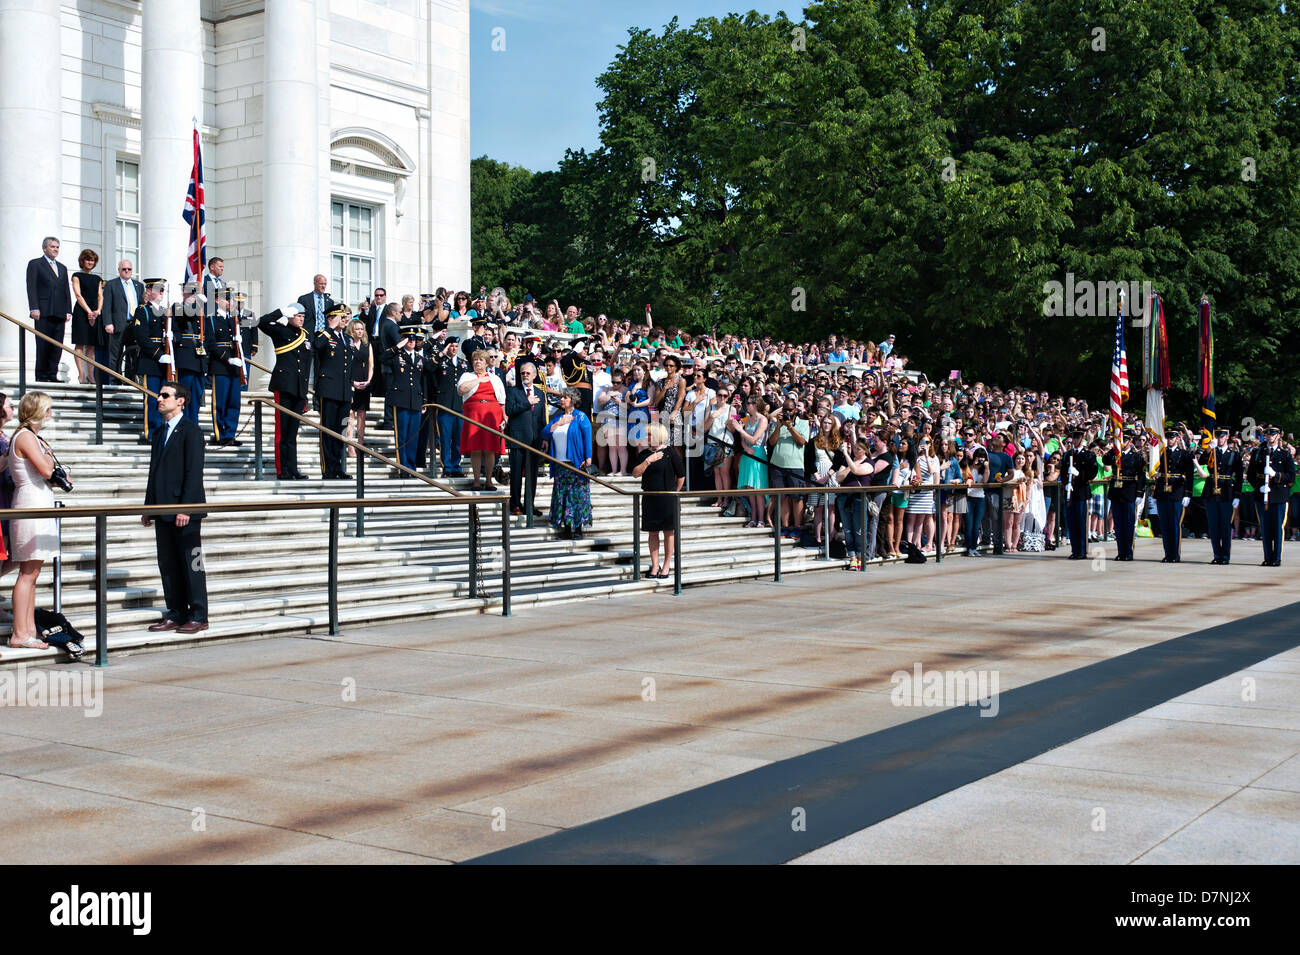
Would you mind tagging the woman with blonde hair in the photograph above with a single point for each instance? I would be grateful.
(363, 357)
(660, 468)
(825, 445)
(31, 464)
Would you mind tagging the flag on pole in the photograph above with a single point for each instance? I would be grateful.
(1155, 374)
(197, 259)
(1206, 365)
(1118, 375)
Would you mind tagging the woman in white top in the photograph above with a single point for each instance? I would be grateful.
(920, 504)
(31, 463)
(484, 398)
(718, 452)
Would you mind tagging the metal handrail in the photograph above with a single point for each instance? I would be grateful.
(332, 505)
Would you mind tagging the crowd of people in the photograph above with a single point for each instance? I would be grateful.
(816, 420)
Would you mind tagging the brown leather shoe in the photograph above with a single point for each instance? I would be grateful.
(164, 624)
(194, 626)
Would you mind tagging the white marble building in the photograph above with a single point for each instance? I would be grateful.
(335, 139)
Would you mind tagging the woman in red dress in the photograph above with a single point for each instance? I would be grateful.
(484, 397)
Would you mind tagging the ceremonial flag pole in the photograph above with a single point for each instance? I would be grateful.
(1118, 378)
(196, 259)
(1155, 375)
(1206, 364)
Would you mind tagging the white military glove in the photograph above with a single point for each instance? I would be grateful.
(1268, 469)
(282, 320)
(1235, 502)
(165, 360)
(1186, 501)
(200, 298)
(167, 335)
(1074, 472)
(238, 337)
(235, 362)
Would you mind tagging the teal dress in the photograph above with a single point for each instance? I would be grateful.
(752, 473)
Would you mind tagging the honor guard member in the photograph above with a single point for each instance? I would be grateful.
(147, 335)
(333, 389)
(228, 371)
(481, 340)
(247, 320)
(448, 367)
(1173, 489)
(188, 346)
(406, 388)
(1130, 470)
(1078, 468)
(289, 380)
(1272, 470)
(389, 343)
(1223, 470)
(573, 366)
(435, 333)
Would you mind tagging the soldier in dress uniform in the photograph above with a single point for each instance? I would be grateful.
(388, 344)
(147, 335)
(447, 369)
(188, 346)
(223, 334)
(573, 366)
(1078, 468)
(406, 388)
(1223, 471)
(481, 340)
(333, 389)
(1129, 465)
(289, 381)
(247, 320)
(1272, 467)
(435, 333)
(1173, 489)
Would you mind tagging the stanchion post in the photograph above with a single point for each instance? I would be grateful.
(677, 545)
(257, 441)
(636, 537)
(826, 521)
(938, 527)
(361, 493)
(1060, 516)
(505, 558)
(22, 361)
(58, 561)
(862, 533)
(776, 539)
(101, 591)
(529, 477)
(99, 407)
(334, 572)
(473, 551)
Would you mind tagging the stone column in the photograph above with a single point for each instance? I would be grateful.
(31, 164)
(291, 203)
(171, 100)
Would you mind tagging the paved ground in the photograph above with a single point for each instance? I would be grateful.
(447, 740)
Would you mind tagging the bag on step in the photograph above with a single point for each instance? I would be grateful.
(55, 630)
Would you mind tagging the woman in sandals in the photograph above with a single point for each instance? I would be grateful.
(31, 463)
(660, 468)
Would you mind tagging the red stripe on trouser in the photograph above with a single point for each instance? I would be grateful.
(277, 434)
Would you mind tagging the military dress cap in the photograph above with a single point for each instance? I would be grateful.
(155, 283)
(1272, 429)
(338, 311)
(190, 288)
(1220, 432)
(438, 326)
(1078, 432)
(478, 321)
(1130, 433)
(241, 297)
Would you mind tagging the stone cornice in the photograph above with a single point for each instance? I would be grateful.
(131, 119)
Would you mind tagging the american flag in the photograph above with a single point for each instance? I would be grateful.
(1118, 376)
(197, 259)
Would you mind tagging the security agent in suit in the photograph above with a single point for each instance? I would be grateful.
(1078, 468)
(448, 367)
(1224, 472)
(389, 344)
(176, 477)
(333, 389)
(188, 346)
(525, 419)
(147, 335)
(122, 296)
(289, 382)
(49, 303)
(221, 332)
(1130, 472)
(1273, 465)
(1173, 489)
(406, 389)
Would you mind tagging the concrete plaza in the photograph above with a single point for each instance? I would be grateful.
(447, 740)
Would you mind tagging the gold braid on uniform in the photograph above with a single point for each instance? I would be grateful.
(302, 335)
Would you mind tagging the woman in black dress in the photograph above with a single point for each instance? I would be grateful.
(87, 330)
(660, 468)
(363, 371)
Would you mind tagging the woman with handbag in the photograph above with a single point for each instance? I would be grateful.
(32, 464)
(827, 442)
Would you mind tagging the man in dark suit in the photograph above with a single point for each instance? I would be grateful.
(525, 419)
(176, 477)
(316, 304)
(122, 296)
(213, 283)
(389, 344)
(289, 382)
(49, 301)
(371, 317)
(333, 390)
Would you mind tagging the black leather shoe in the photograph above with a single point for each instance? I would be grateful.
(577, 533)
(564, 533)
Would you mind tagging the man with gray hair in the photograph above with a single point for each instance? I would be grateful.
(49, 301)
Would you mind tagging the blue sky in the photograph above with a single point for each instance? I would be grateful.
(538, 97)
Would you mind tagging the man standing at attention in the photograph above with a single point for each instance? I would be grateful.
(49, 298)
(176, 477)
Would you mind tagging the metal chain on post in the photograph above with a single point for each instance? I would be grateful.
(476, 536)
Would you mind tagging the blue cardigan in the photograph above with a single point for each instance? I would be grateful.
(578, 443)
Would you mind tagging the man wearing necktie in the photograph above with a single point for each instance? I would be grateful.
(316, 304)
(122, 297)
(49, 301)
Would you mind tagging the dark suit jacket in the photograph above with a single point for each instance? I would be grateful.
(176, 470)
(308, 303)
(116, 308)
(50, 296)
(525, 423)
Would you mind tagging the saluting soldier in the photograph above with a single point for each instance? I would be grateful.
(481, 339)
(1129, 465)
(573, 366)
(406, 388)
(227, 369)
(1223, 471)
(147, 335)
(289, 381)
(1173, 489)
(1272, 467)
(448, 367)
(435, 332)
(333, 389)
(1078, 468)
(190, 353)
